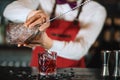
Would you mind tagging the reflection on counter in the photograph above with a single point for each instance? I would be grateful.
(62, 74)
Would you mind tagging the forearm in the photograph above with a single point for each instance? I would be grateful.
(71, 50)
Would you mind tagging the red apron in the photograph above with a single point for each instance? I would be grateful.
(63, 31)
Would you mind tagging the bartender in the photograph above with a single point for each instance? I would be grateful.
(70, 35)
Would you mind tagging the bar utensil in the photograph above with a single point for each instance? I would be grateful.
(117, 64)
(106, 55)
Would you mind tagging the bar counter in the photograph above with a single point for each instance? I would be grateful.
(25, 73)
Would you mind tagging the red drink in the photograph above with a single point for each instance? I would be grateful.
(47, 63)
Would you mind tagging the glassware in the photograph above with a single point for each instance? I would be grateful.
(18, 34)
(47, 63)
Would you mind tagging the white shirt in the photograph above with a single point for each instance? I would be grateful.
(91, 18)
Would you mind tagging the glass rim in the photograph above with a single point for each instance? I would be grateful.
(106, 51)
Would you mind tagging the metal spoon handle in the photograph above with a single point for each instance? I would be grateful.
(69, 10)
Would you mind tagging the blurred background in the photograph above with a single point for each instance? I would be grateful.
(109, 39)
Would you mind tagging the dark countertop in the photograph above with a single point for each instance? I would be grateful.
(20, 73)
(8, 46)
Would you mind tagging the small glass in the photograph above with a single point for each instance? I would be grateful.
(47, 63)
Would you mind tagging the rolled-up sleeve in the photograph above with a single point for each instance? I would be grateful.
(18, 10)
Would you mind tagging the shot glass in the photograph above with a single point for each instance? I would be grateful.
(47, 63)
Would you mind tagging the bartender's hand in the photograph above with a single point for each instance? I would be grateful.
(41, 40)
(37, 18)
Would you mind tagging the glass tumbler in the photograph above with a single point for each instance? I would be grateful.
(47, 63)
(16, 33)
